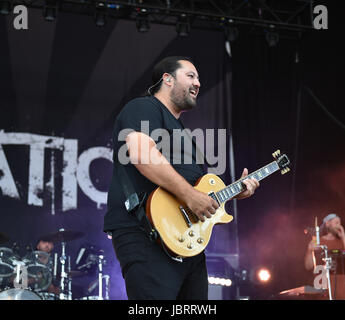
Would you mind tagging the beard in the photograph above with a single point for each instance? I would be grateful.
(182, 99)
(333, 231)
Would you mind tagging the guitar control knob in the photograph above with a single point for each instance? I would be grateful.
(200, 240)
(181, 238)
(189, 246)
(191, 233)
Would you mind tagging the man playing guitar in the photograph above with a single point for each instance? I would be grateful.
(148, 272)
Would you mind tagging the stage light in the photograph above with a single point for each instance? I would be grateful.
(143, 23)
(100, 19)
(183, 26)
(49, 13)
(231, 33)
(5, 7)
(100, 15)
(221, 277)
(220, 281)
(50, 10)
(264, 275)
(272, 39)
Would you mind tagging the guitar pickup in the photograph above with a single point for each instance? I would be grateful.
(186, 217)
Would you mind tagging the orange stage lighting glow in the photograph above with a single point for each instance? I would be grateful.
(264, 275)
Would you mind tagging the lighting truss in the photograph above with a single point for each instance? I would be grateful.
(291, 16)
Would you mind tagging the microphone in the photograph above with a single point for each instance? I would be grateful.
(317, 231)
(149, 89)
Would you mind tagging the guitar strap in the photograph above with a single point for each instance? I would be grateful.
(135, 205)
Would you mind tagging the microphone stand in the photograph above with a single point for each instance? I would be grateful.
(328, 260)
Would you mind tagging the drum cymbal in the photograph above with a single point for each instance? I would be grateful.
(3, 238)
(63, 236)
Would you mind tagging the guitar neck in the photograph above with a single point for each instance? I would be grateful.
(237, 187)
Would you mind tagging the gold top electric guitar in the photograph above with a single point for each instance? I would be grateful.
(180, 230)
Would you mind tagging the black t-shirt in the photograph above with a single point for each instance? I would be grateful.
(150, 116)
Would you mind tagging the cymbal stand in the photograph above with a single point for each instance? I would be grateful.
(100, 277)
(20, 266)
(63, 276)
(65, 282)
(69, 279)
(106, 277)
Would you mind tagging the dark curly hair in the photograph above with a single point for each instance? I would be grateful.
(167, 65)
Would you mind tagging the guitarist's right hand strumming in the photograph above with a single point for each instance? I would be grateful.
(157, 169)
(201, 204)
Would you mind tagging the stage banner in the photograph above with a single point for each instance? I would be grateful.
(62, 85)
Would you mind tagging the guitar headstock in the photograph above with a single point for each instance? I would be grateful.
(282, 161)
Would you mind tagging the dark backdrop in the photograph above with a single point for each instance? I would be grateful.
(62, 85)
(69, 79)
(275, 93)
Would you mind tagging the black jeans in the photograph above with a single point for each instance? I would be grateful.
(151, 275)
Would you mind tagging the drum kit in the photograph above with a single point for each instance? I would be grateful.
(35, 276)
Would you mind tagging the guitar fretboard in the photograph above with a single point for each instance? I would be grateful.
(237, 187)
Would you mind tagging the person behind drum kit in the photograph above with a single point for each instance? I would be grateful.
(47, 247)
(333, 236)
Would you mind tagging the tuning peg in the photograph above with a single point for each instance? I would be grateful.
(276, 154)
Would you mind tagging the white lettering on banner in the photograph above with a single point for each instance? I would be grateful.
(7, 184)
(69, 179)
(75, 171)
(83, 173)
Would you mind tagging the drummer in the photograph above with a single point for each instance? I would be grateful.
(47, 246)
(333, 236)
(44, 245)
